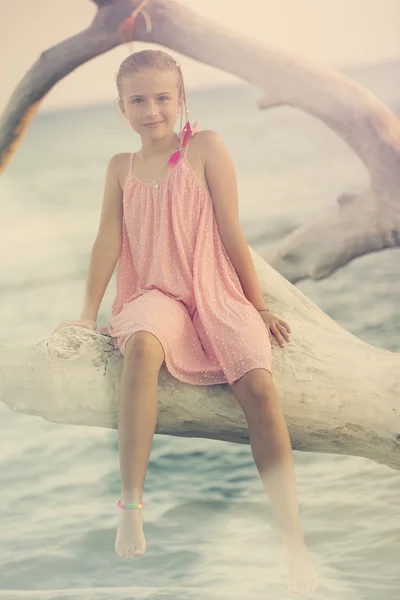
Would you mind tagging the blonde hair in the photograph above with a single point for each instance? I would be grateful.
(150, 60)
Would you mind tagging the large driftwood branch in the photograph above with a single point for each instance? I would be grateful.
(361, 223)
(339, 394)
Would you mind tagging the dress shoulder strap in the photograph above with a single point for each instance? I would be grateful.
(195, 129)
(131, 163)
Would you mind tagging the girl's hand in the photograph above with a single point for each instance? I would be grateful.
(275, 325)
(88, 323)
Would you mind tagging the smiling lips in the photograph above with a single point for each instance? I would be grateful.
(153, 124)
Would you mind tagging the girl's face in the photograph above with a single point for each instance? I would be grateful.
(148, 97)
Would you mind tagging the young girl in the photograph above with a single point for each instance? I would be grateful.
(187, 294)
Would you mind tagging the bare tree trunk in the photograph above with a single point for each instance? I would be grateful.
(339, 394)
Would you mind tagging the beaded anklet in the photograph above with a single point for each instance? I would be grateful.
(140, 505)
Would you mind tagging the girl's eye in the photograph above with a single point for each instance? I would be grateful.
(136, 99)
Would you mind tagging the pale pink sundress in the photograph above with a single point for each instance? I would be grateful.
(176, 281)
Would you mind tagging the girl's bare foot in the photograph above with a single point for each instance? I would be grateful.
(130, 542)
(301, 577)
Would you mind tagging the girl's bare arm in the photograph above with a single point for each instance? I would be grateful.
(107, 246)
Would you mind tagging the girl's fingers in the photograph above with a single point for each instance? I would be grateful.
(285, 325)
(86, 324)
(284, 333)
(59, 327)
(280, 333)
(277, 334)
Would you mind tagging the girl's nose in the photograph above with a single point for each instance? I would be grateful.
(152, 110)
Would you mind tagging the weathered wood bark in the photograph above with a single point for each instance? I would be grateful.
(360, 224)
(338, 394)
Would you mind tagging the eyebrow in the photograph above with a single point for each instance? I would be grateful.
(138, 96)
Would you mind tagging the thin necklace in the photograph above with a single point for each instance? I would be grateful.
(156, 182)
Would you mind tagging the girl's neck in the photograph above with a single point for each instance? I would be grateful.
(158, 148)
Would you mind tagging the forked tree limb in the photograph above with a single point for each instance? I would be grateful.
(360, 223)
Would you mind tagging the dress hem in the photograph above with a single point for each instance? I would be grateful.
(170, 364)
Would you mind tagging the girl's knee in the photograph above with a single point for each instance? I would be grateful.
(143, 345)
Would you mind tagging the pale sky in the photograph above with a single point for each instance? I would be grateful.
(335, 32)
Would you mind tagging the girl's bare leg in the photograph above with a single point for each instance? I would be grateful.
(137, 417)
(272, 452)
